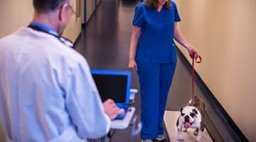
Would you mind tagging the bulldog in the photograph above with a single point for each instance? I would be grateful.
(191, 116)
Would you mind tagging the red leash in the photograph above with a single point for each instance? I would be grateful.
(195, 59)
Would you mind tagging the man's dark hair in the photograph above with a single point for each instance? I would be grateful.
(47, 5)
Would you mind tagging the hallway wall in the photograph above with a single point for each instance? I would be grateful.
(225, 35)
(75, 25)
(90, 7)
(15, 14)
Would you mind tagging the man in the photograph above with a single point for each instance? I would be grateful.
(46, 89)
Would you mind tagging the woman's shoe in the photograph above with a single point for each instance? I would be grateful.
(147, 140)
(160, 138)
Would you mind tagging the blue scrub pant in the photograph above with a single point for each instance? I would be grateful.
(155, 81)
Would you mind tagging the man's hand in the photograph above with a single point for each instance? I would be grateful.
(111, 109)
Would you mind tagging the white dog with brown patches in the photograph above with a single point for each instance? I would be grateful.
(190, 117)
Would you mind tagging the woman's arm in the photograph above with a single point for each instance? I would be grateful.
(136, 31)
(183, 42)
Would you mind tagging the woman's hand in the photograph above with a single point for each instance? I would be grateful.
(192, 53)
(132, 64)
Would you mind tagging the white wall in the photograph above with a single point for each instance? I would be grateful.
(15, 14)
(225, 35)
(74, 27)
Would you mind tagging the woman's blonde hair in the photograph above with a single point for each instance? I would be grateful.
(154, 4)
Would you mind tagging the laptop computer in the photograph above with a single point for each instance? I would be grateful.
(114, 84)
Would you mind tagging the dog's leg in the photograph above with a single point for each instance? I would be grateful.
(196, 131)
(180, 136)
(199, 136)
(179, 126)
(185, 130)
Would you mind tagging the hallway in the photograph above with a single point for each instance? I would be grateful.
(105, 45)
(104, 42)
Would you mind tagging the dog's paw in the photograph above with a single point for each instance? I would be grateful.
(180, 138)
(195, 132)
(185, 130)
(198, 139)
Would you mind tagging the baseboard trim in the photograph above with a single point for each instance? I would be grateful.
(213, 99)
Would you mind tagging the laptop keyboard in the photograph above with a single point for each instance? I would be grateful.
(123, 106)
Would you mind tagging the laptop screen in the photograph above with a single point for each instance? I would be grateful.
(114, 84)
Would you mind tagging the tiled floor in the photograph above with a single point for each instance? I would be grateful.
(105, 45)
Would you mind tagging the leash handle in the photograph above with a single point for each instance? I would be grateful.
(195, 59)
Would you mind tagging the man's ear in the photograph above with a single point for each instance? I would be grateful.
(62, 11)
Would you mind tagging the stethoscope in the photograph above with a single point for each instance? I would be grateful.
(63, 40)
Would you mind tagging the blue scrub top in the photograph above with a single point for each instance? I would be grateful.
(156, 40)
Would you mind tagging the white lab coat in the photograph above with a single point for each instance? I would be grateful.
(47, 93)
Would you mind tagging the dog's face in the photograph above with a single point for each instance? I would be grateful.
(188, 115)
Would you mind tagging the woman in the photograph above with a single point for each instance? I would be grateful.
(153, 56)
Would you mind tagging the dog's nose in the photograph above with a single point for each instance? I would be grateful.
(186, 118)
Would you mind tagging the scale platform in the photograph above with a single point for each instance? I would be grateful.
(170, 119)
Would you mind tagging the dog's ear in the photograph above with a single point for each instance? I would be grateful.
(181, 109)
(194, 111)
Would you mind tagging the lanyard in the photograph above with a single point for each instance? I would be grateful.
(63, 40)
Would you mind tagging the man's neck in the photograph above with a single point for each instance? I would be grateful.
(47, 20)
